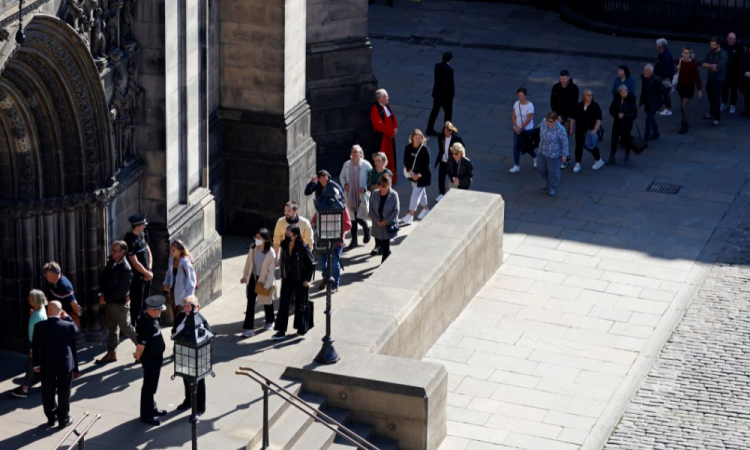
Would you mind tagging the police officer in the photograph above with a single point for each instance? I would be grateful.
(140, 259)
(150, 352)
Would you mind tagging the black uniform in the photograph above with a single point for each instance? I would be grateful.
(149, 334)
(139, 287)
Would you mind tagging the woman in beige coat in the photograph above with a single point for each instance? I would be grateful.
(261, 281)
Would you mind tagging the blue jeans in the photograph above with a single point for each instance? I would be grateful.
(517, 151)
(323, 261)
(651, 126)
(713, 89)
(549, 169)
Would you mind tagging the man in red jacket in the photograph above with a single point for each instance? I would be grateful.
(386, 126)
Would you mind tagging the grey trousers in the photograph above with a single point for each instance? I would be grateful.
(549, 169)
(118, 316)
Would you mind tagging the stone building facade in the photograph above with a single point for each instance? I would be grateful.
(195, 112)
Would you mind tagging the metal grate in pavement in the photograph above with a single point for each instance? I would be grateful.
(663, 188)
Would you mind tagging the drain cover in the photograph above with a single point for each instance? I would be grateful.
(664, 188)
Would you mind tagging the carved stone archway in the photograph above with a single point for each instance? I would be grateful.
(56, 167)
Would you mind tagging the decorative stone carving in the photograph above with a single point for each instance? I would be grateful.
(98, 41)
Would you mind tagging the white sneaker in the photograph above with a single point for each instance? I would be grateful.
(515, 169)
(535, 163)
(577, 168)
(268, 326)
(732, 109)
(248, 333)
(423, 214)
(438, 198)
(598, 165)
(665, 112)
(564, 165)
(407, 219)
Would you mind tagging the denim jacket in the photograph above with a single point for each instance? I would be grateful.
(184, 285)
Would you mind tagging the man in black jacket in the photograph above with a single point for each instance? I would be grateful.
(563, 101)
(652, 98)
(734, 74)
(442, 92)
(114, 283)
(52, 356)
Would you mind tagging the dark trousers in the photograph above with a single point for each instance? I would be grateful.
(151, 371)
(447, 106)
(651, 126)
(385, 246)
(730, 88)
(713, 90)
(620, 131)
(668, 98)
(580, 139)
(356, 221)
(442, 173)
(289, 288)
(140, 289)
(31, 377)
(56, 384)
(251, 296)
(200, 398)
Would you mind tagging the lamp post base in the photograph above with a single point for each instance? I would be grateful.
(327, 354)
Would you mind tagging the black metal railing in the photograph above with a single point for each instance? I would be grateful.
(270, 387)
(685, 19)
(80, 439)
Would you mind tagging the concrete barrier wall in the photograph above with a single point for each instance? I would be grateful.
(394, 317)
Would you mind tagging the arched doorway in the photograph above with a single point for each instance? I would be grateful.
(56, 168)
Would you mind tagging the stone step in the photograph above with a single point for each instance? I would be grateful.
(380, 443)
(363, 430)
(285, 433)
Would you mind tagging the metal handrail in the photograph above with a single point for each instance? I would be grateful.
(81, 437)
(318, 416)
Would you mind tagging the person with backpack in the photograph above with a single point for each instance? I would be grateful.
(180, 280)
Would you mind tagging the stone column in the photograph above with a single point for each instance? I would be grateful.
(269, 155)
(340, 83)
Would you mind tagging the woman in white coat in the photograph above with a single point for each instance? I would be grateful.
(354, 178)
(259, 275)
(180, 280)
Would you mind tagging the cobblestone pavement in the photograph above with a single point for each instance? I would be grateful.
(697, 395)
(551, 351)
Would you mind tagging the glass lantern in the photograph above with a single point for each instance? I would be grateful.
(330, 224)
(193, 356)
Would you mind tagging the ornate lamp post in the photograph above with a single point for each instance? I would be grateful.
(193, 360)
(329, 229)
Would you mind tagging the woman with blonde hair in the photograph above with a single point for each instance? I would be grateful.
(587, 120)
(38, 302)
(460, 169)
(357, 197)
(379, 168)
(180, 280)
(417, 170)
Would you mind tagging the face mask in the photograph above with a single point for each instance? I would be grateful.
(287, 240)
(259, 242)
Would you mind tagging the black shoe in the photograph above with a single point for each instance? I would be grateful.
(19, 392)
(366, 240)
(376, 251)
(151, 421)
(51, 422)
(159, 412)
(432, 132)
(323, 285)
(655, 137)
(280, 336)
(184, 405)
(65, 422)
(683, 130)
(611, 161)
(708, 116)
(352, 245)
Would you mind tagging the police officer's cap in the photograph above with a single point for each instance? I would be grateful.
(138, 219)
(156, 302)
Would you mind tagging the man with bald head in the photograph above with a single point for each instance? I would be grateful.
(52, 356)
(734, 74)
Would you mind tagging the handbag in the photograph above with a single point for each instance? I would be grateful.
(260, 289)
(304, 320)
(407, 173)
(636, 142)
(391, 229)
(592, 142)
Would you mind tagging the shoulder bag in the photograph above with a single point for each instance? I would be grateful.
(407, 173)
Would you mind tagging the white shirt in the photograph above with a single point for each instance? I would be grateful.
(387, 111)
(525, 110)
(447, 149)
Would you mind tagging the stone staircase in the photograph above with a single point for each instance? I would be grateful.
(291, 429)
